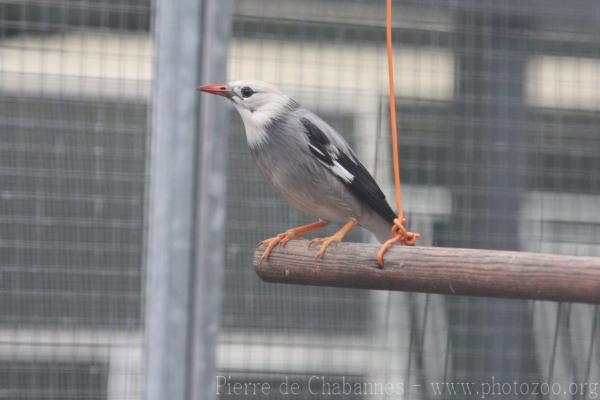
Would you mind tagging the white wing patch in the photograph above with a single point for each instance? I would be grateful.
(341, 172)
(328, 155)
(317, 150)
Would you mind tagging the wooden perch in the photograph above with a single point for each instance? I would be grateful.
(516, 275)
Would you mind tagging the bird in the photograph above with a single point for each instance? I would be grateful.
(309, 164)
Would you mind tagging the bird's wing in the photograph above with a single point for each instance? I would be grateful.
(330, 148)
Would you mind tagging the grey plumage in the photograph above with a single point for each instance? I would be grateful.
(306, 161)
(287, 160)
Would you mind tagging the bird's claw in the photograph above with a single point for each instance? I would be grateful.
(325, 242)
(282, 239)
(315, 241)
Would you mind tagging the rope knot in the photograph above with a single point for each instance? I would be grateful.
(403, 235)
(399, 234)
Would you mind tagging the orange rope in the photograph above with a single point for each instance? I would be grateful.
(399, 232)
(394, 126)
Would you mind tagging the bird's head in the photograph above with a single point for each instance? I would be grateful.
(257, 102)
(249, 94)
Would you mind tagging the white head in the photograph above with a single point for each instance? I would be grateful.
(257, 102)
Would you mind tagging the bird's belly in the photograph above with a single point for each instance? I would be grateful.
(319, 207)
(311, 189)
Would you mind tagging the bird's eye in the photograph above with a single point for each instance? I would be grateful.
(247, 92)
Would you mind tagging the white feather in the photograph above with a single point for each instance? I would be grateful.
(316, 149)
(254, 124)
(259, 109)
(342, 172)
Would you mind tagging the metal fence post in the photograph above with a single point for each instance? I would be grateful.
(184, 256)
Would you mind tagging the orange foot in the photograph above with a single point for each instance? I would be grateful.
(283, 238)
(336, 238)
(325, 242)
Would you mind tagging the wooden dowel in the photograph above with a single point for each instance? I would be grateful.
(516, 275)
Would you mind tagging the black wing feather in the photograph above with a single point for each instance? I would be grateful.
(318, 142)
(363, 186)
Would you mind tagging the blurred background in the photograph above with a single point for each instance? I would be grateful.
(499, 122)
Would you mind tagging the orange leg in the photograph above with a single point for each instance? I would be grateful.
(288, 235)
(335, 238)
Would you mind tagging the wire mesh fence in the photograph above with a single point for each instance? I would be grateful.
(498, 115)
(499, 110)
(74, 83)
